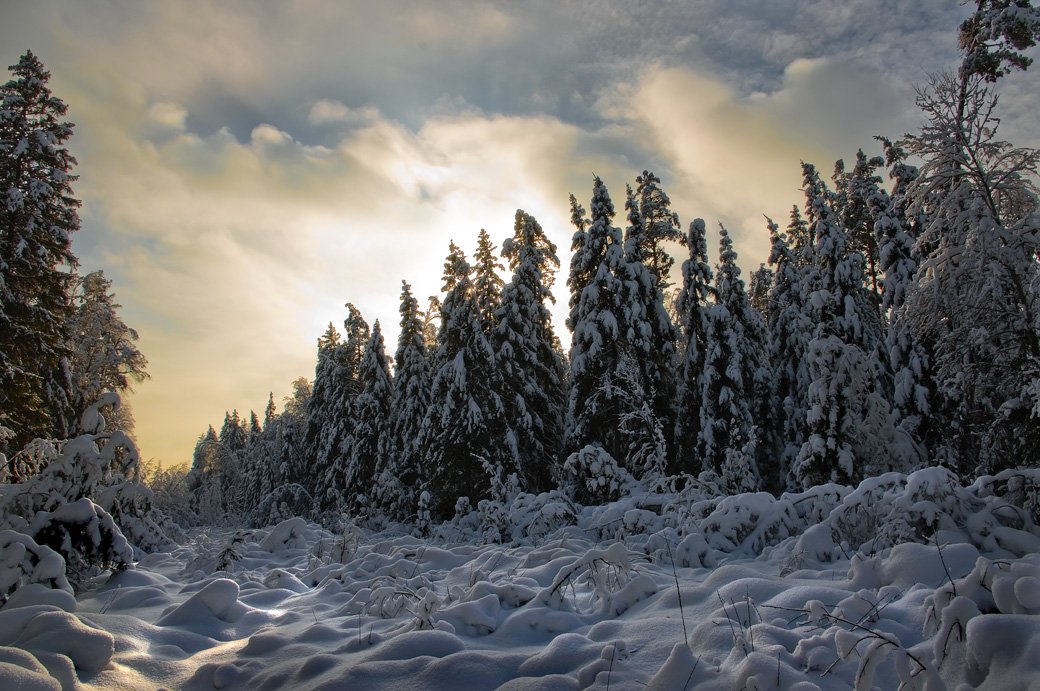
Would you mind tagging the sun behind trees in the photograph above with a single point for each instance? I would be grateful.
(896, 328)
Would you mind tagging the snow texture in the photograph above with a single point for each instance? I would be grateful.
(909, 581)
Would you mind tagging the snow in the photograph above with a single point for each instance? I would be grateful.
(748, 591)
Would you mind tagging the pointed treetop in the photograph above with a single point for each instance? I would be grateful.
(455, 267)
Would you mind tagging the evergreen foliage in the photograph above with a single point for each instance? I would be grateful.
(606, 384)
(367, 441)
(733, 380)
(647, 326)
(694, 300)
(465, 424)
(850, 431)
(527, 352)
(37, 219)
(398, 475)
(487, 283)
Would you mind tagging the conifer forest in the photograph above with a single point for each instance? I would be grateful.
(823, 473)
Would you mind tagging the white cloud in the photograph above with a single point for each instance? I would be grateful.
(737, 157)
(327, 111)
(168, 115)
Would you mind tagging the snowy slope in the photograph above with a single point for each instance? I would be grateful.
(913, 579)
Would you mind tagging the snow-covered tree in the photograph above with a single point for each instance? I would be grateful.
(850, 432)
(694, 300)
(604, 389)
(465, 423)
(852, 190)
(367, 442)
(973, 309)
(528, 355)
(103, 353)
(336, 385)
(321, 403)
(758, 289)
(203, 481)
(487, 283)
(790, 329)
(89, 503)
(646, 326)
(397, 476)
(659, 224)
(734, 378)
(37, 219)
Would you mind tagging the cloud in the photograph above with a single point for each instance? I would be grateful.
(231, 256)
(247, 168)
(328, 111)
(735, 157)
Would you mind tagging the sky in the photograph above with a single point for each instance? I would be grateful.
(246, 168)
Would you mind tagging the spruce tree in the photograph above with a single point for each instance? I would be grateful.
(487, 284)
(397, 477)
(343, 390)
(647, 327)
(694, 300)
(270, 411)
(465, 426)
(37, 219)
(850, 200)
(606, 384)
(733, 379)
(531, 369)
(367, 441)
(659, 224)
(790, 329)
(319, 412)
(850, 432)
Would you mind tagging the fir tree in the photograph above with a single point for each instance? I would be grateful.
(733, 379)
(320, 404)
(464, 426)
(850, 433)
(37, 219)
(659, 224)
(398, 476)
(758, 290)
(604, 388)
(527, 354)
(343, 388)
(487, 284)
(694, 300)
(790, 328)
(270, 410)
(367, 441)
(647, 327)
(852, 192)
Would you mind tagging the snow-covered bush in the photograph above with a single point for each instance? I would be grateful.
(592, 476)
(1019, 487)
(283, 502)
(85, 535)
(536, 516)
(23, 561)
(87, 499)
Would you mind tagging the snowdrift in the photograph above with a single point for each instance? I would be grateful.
(902, 582)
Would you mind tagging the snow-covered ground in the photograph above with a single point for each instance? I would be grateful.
(913, 579)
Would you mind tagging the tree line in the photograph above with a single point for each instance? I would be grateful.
(897, 326)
